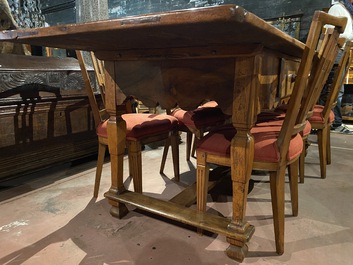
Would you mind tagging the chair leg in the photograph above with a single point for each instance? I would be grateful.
(100, 160)
(197, 137)
(135, 164)
(322, 143)
(164, 156)
(293, 184)
(174, 140)
(194, 145)
(277, 198)
(328, 151)
(301, 163)
(202, 175)
(189, 136)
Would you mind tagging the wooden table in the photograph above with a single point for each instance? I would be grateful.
(222, 53)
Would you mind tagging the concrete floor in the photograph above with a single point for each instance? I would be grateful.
(51, 218)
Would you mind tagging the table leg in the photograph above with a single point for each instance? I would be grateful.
(116, 140)
(241, 156)
(116, 137)
(242, 149)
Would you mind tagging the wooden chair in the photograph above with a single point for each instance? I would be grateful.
(195, 123)
(141, 129)
(98, 67)
(308, 109)
(323, 116)
(276, 147)
(276, 119)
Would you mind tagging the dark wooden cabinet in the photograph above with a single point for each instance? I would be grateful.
(45, 116)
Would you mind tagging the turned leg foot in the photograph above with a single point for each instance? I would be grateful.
(236, 252)
(119, 211)
(238, 248)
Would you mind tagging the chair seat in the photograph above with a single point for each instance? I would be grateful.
(270, 116)
(266, 149)
(317, 115)
(209, 104)
(141, 125)
(278, 121)
(204, 116)
(282, 108)
(278, 113)
(307, 129)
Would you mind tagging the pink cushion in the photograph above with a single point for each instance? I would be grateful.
(141, 125)
(278, 122)
(282, 108)
(278, 113)
(200, 117)
(317, 115)
(307, 129)
(209, 104)
(270, 116)
(266, 150)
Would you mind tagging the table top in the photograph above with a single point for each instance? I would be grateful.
(207, 26)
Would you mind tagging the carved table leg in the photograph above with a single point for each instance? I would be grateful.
(242, 151)
(116, 140)
(119, 210)
(234, 251)
(116, 137)
(241, 156)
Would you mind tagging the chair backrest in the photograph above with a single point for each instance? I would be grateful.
(338, 80)
(324, 58)
(98, 110)
(320, 51)
(98, 67)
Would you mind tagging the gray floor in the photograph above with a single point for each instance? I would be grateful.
(53, 219)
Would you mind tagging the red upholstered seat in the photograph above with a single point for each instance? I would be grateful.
(282, 108)
(270, 120)
(270, 115)
(317, 116)
(307, 129)
(195, 123)
(141, 125)
(266, 149)
(204, 116)
(279, 121)
(141, 128)
(209, 104)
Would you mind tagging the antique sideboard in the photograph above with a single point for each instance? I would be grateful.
(45, 117)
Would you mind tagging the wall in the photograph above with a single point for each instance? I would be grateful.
(63, 11)
(265, 9)
(27, 13)
(59, 11)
